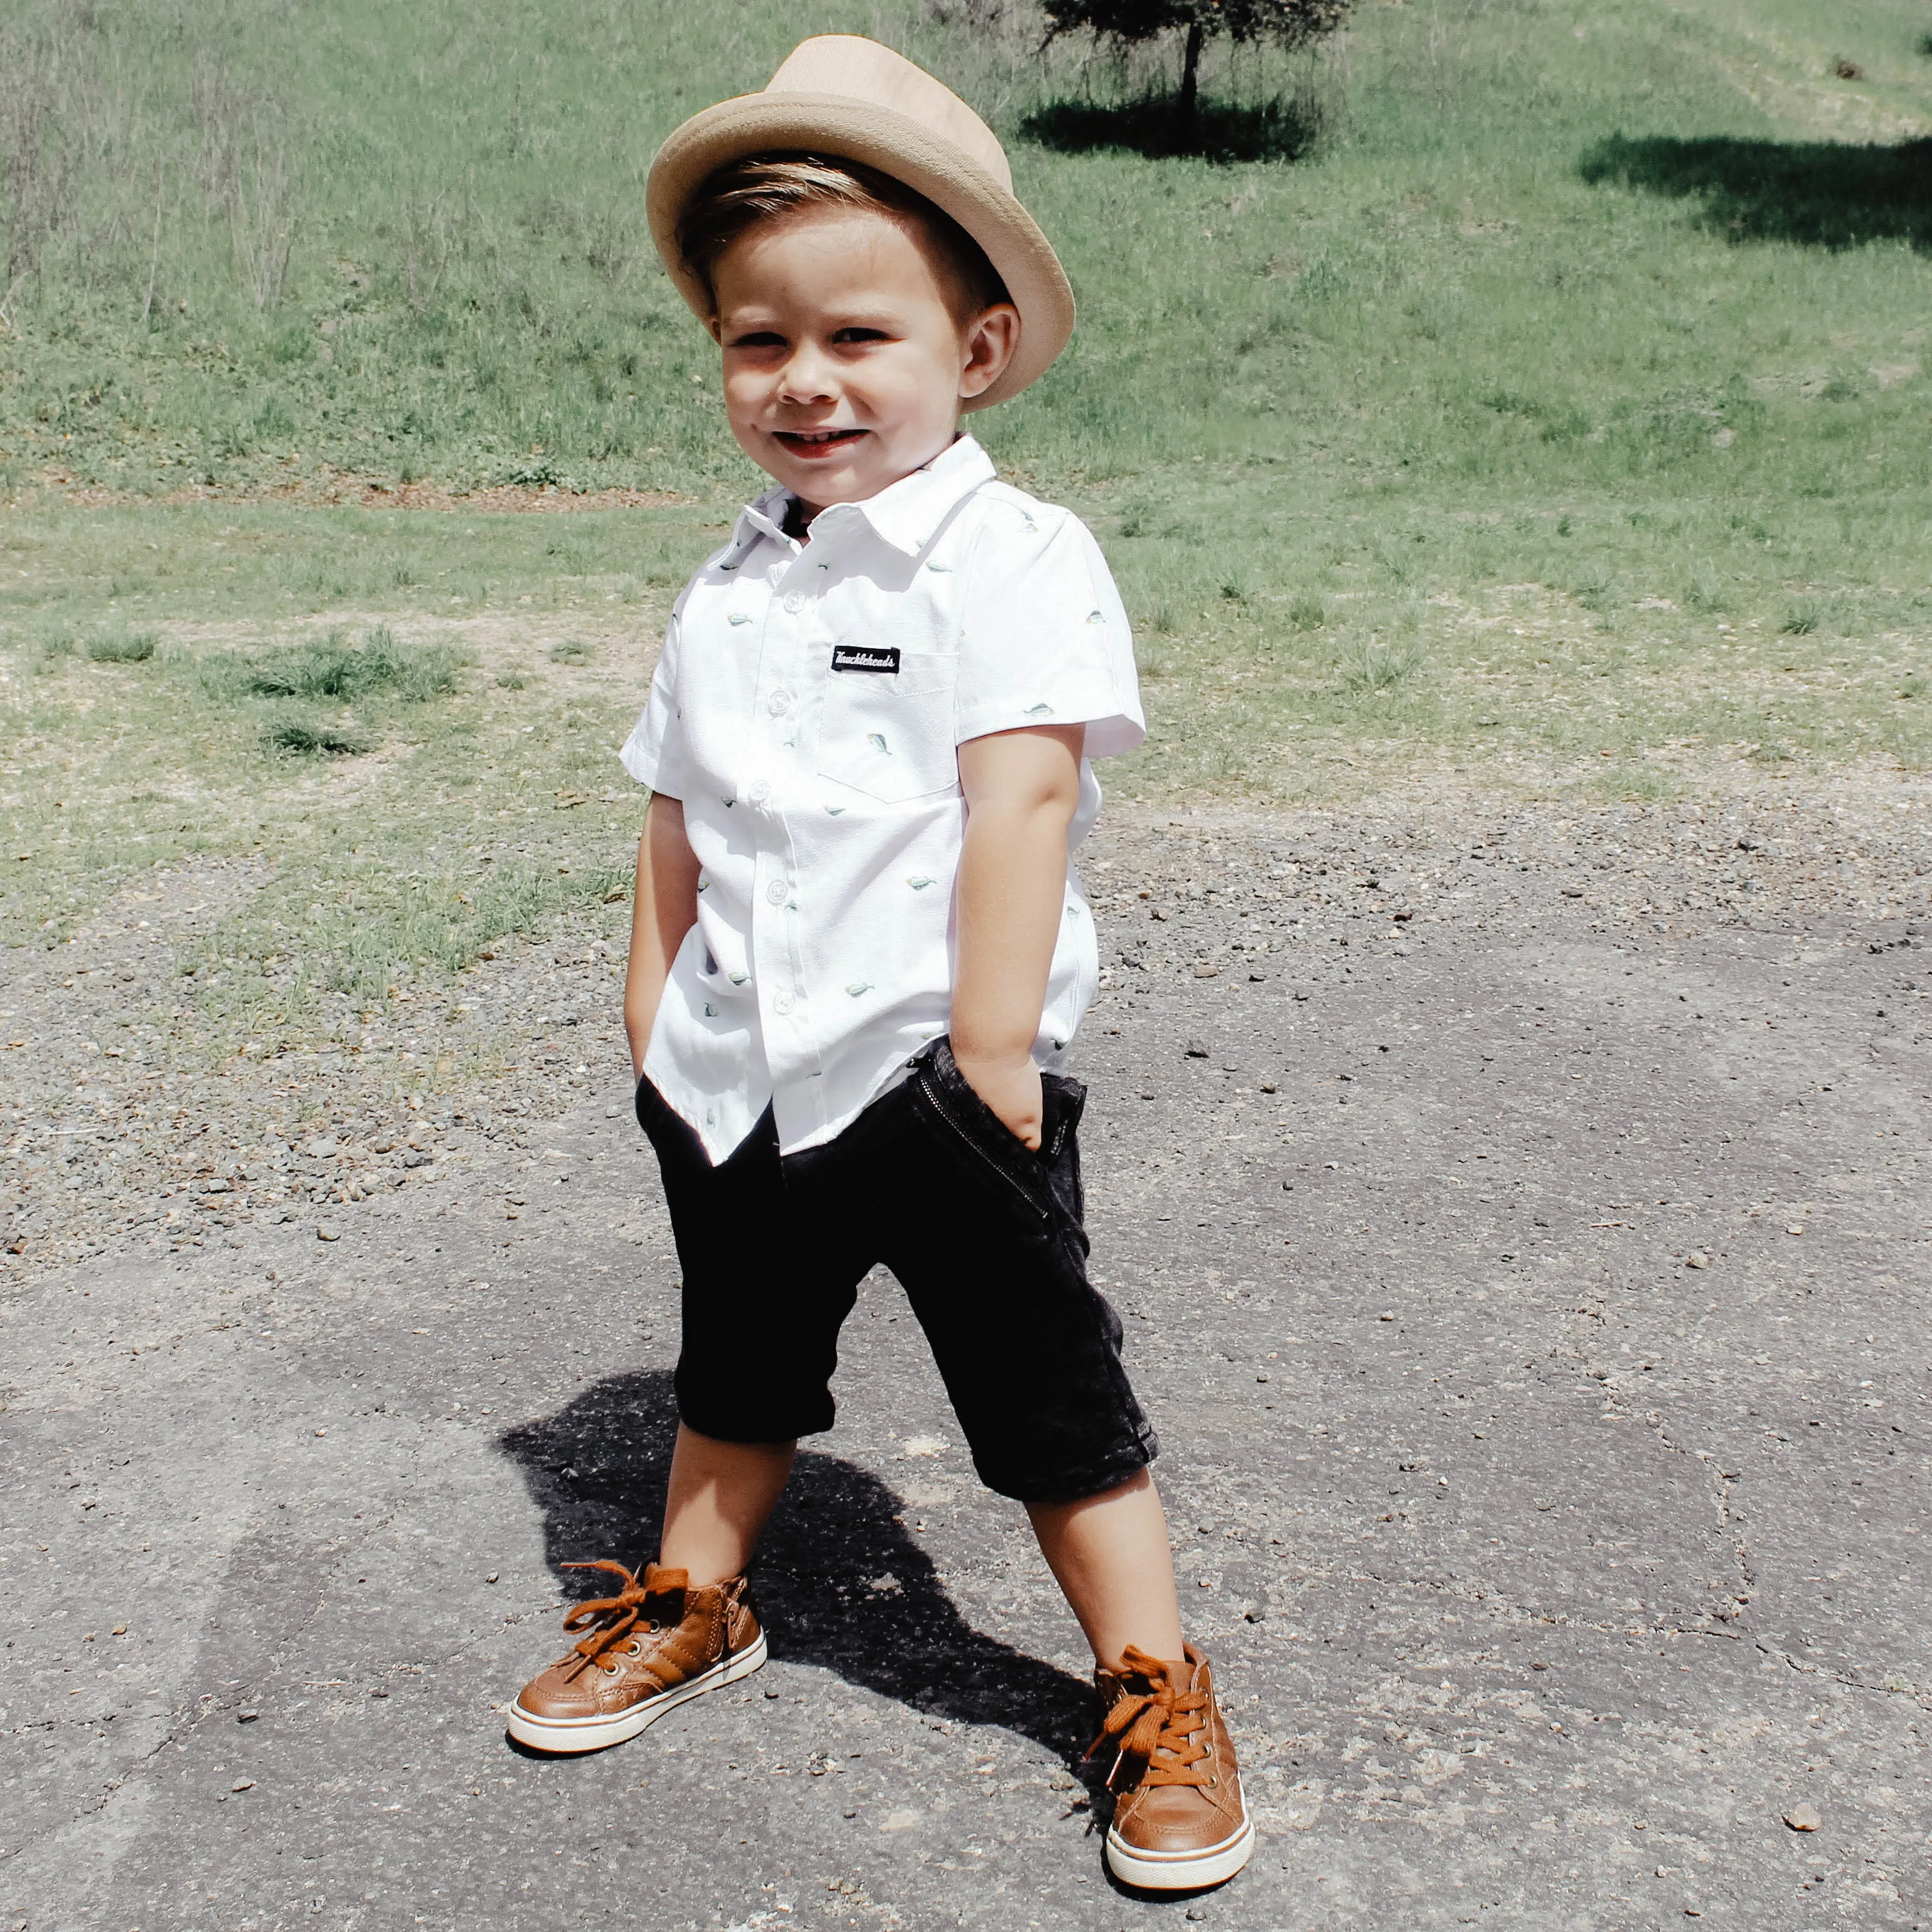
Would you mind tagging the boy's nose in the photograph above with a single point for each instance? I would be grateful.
(806, 379)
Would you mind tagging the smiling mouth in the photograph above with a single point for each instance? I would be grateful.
(812, 443)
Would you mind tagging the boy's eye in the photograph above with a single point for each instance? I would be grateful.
(861, 335)
(759, 338)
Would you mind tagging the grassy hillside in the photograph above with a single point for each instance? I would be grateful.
(1561, 418)
(1549, 242)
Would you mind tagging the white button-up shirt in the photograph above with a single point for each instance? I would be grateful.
(807, 709)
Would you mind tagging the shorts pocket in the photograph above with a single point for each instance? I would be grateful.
(651, 1105)
(988, 1147)
(889, 734)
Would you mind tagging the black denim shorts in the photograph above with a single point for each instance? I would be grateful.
(986, 1238)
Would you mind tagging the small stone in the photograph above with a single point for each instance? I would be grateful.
(1195, 1050)
(119, 1630)
(243, 1784)
(325, 1233)
(1697, 1260)
(1803, 1818)
(1206, 972)
(492, 1577)
(246, 1717)
(1796, 1228)
(323, 1150)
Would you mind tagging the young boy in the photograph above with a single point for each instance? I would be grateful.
(859, 950)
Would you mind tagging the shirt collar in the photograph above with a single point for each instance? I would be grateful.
(906, 514)
(763, 516)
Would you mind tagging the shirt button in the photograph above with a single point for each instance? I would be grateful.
(777, 891)
(783, 1003)
(761, 791)
(778, 703)
(794, 602)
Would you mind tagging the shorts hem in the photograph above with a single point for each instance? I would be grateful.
(1074, 1485)
(726, 1428)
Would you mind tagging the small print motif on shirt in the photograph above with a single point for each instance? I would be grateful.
(866, 657)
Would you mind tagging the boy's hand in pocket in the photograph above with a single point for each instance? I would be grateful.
(1012, 1089)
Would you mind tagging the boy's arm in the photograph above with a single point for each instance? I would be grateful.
(1020, 790)
(663, 910)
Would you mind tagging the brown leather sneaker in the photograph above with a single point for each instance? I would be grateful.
(1179, 1820)
(654, 1646)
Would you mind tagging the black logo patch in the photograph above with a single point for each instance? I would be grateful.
(866, 657)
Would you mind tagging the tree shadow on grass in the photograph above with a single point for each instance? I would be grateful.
(597, 1468)
(1823, 193)
(1157, 127)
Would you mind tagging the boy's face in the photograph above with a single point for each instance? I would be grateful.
(845, 363)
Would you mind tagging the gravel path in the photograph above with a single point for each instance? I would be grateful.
(1520, 1225)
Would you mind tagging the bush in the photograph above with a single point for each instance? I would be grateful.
(1372, 668)
(344, 672)
(307, 739)
(128, 647)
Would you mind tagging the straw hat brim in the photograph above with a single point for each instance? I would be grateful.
(897, 146)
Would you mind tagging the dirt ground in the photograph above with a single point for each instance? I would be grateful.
(1518, 1220)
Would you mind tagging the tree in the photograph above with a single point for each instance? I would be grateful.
(1288, 23)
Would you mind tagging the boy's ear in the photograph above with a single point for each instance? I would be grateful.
(991, 344)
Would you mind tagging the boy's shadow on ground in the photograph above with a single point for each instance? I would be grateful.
(597, 1469)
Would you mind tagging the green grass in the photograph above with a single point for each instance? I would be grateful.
(1560, 419)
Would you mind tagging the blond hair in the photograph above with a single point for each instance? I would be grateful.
(747, 193)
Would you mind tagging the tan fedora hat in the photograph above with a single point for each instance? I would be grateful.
(840, 95)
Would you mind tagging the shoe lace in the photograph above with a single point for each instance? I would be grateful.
(609, 1620)
(1158, 1731)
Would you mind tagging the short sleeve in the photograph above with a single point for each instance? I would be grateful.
(1043, 637)
(653, 754)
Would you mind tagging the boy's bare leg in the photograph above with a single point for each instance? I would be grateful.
(1110, 1555)
(721, 1494)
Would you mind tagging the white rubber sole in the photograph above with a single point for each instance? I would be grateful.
(565, 1736)
(1180, 1871)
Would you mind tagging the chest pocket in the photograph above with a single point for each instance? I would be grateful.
(890, 733)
